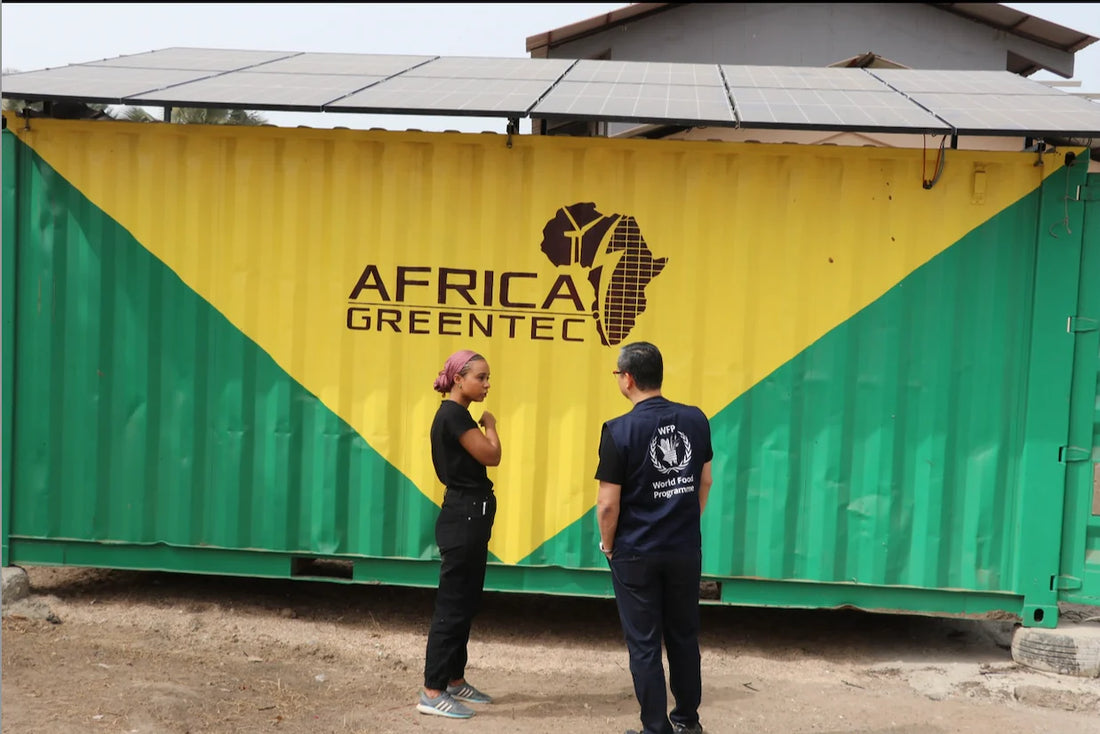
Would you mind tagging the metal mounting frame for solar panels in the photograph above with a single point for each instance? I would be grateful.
(660, 93)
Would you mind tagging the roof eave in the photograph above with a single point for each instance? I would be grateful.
(540, 43)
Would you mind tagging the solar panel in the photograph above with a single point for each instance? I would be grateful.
(800, 77)
(624, 102)
(428, 95)
(961, 82)
(268, 90)
(92, 83)
(888, 100)
(1032, 114)
(199, 59)
(642, 72)
(833, 109)
(462, 67)
(353, 64)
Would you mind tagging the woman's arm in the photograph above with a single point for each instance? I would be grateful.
(485, 447)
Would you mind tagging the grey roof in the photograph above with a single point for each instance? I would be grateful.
(1011, 22)
(868, 99)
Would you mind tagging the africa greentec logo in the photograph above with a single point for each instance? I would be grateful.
(619, 263)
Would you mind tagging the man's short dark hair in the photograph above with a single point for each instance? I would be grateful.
(643, 361)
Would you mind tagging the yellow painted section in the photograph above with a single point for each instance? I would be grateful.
(765, 248)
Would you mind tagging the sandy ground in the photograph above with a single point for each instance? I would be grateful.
(114, 651)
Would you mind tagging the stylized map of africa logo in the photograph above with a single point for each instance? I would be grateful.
(619, 263)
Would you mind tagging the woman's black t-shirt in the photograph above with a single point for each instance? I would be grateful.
(454, 465)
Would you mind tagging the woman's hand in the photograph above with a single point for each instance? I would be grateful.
(485, 447)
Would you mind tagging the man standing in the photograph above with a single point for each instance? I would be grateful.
(655, 475)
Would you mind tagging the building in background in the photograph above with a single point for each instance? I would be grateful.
(947, 36)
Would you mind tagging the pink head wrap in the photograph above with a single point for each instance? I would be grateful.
(453, 366)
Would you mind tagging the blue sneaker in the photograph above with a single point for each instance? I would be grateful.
(443, 705)
(465, 692)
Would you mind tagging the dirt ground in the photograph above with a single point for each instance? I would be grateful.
(118, 651)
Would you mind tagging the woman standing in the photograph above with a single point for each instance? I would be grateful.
(460, 454)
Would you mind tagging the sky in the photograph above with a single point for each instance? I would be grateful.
(46, 35)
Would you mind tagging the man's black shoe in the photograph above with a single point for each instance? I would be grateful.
(684, 729)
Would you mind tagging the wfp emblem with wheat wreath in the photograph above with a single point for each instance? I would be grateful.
(670, 452)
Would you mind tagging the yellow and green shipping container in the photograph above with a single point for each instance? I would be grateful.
(219, 344)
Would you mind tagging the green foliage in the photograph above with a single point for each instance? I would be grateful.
(212, 116)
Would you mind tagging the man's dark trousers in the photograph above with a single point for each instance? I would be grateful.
(658, 599)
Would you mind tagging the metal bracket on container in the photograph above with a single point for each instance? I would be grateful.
(1066, 454)
(1087, 193)
(1081, 324)
(512, 128)
(1064, 583)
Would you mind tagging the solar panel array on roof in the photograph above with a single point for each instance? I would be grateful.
(833, 109)
(444, 95)
(350, 64)
(194, 59)
(460, 67)
(91, 83)
(824, 99)
(637, 91)
(669, 104)
(1004, 114)
(799, 77)
(645, 72)
(995, 103)
(264, 90)
(961, 82)
(891, 100)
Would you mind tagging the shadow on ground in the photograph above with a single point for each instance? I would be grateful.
(778, 634)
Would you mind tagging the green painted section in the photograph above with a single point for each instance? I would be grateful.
(576, 546)
(1046, 395)
(887, 452)
(809, 595)
(144, 416)
(1080, 571)
(7, 282)
(540, 579)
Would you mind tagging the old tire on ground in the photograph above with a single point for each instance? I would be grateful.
(1073, 650)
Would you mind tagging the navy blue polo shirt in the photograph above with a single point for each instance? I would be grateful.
(656, 452)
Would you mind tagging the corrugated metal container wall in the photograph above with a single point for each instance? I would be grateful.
(225, 340)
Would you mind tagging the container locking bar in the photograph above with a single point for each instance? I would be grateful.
(1088, 193)
(1064, 583)
(1081, 324)
(1066, 454)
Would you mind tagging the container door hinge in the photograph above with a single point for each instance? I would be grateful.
(1064, 583)
(1066, 454)
(1081, 324)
